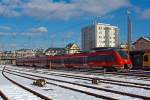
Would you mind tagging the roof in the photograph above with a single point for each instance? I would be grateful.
(145, 38)
(106, 25)
(23, 49)
(57, 49)
(70, 45)
(105, 48)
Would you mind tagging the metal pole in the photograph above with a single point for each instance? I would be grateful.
(129, 31)
(50, 66)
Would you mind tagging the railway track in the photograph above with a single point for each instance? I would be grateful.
(3, 96)
(140, 75)
(130, 73)
(82, 85)
(67, 86)
(102, 80)
(121, 83)
(16, 91)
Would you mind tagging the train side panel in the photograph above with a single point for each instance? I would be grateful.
(104, 58)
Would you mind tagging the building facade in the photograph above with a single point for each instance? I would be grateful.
(54, 51)
(25, 53)
(143, 43)
(72, 48)
(99, 35)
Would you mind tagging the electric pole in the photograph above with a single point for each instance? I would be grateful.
(129, 31)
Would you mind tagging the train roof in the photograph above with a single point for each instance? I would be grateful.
(105, 49)
(81, 53)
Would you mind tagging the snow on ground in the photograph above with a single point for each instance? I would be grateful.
(14, 92)
(56, 92)
(105, 76)
(117, 96)
(132, 90)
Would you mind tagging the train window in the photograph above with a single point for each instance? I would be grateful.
(101, 58)
(66, 60)
(146, 58)
(123, 54)
(110, 58)
(75, 60)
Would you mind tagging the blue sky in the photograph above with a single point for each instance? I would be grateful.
(55, 23)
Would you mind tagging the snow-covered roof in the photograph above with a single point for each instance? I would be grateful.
(145, 38)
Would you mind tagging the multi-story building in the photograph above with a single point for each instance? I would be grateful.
(99, 35)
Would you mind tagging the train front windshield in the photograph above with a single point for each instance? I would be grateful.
(123, 54)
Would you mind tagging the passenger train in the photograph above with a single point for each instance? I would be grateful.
(110, 58)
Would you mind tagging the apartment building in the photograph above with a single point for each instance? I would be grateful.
(99, 35)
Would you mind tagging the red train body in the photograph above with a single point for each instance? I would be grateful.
(105, 58)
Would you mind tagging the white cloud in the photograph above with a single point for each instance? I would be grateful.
(35, 31)
(145, 14)
(30, 32)
(8, 33)
(10, 8)
(47, 9)
(39, 30)
(5, 28)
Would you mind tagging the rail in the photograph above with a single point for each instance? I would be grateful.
(25, 88)
(3, 96)
(92, 87)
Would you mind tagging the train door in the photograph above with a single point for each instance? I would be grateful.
(85, 62)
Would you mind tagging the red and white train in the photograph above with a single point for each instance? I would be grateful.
(110, 58)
